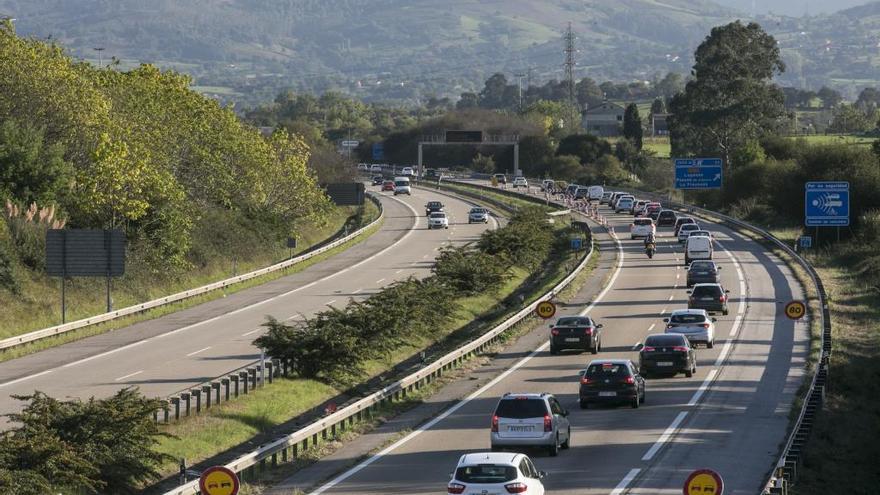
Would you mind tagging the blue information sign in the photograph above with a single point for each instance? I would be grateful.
(826, 204)
(806, 241)
(378, 151)
(577, 243)
(698, 173)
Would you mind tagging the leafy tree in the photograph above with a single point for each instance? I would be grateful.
(830, 98)
(534, 154)
(586, 147)
(671, 84)
(467, 100)
(731, 99)
(658, 106)
(609, 170)
(497, 94)
(869, 99)
(849, 119)
(565, 167)
(588, 93)
(632, 125)
(483, 163)
(323, 346)
(31, 170)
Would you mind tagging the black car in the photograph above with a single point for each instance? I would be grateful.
(667, 353)
(679, 221)
(611, 380)
(703, 272)
(378, 180)
(711, 297)
(432, 206)
(666, 218)
(575, 332)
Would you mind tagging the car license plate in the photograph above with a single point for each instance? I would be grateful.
(520, 428)
(707, 298)
(607, 394)
(572, 339)
(702, 273)
(664, 363)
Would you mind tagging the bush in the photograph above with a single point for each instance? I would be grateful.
(322, 346)
(468, 272)
(526, 240)
(8, 272)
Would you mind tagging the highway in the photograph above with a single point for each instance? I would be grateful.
(731, 416)
(177, 351)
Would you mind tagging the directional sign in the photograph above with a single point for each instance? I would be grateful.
(218, 480)
(577, 243)
(806, 241)
(546, 309)
(704, 482)
(698, 173)
(378, 151)
(350, 144)
(826, 204)
(795, 310)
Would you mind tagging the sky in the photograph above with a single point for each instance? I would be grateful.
(794, 8)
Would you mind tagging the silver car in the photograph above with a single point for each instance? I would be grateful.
(530, 420)
(695, 324)
(479, 215)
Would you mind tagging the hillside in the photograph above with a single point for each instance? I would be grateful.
(402, 50)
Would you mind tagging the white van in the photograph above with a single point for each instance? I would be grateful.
(402, 186)
(698, 248)
(596, 193)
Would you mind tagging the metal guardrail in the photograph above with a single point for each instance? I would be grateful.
(288, 446)
(138, 308)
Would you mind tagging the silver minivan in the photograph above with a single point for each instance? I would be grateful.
(530, 420)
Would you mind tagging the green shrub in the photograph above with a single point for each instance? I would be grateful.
(323, 346)
(8, 272)
(468, 272)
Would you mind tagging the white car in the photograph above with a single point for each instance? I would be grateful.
(624, 204)
(520, 182)
(685, 231)
(701, 233)
(376, 168)
(695, 324)
(548, 185)
(408, 171)
(596, 193)
(496, 473)
(438, 220)
(642, 227)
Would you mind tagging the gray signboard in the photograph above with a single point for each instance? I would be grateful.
(85, 253)
(346, 193)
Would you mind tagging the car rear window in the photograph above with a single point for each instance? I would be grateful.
(478, 210)
(690, 226)
(573, 321)
(706, 290)
(521, 408)
(401, 183)
(687, 318)
(665, 340)
(485, 473)
(438, 214)
(608, 369)
(697, 265)
(643, 221)
(667, 213)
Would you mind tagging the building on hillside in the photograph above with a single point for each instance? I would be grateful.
(660, 124)
(604, 120)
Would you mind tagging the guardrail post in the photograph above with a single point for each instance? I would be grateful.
(258, 377)
(198, 395)
(165, 411)
(216, 387)
(284, 455)
(206, 389)
(270, 370)
(186, 400)
(175, 401)
(252, 374)
(315, 440)
(244, 379)
(234, 379)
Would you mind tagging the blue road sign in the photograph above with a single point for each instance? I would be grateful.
(826, 204)
(577, 243)
(378, 151)
(698, 173)
(806, 241)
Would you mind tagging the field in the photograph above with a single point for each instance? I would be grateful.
(836, 139)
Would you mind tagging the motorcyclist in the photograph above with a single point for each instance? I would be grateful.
(649, 239)
(650, 245)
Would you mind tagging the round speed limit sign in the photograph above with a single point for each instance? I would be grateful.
(795, 310)
(546, 309)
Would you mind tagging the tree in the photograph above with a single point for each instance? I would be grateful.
(849, 119)
(31, 169)
(830, 98)
(497, 94)
(586, 147)
(731, 99)
(467, 100)
(658, 106)
(670, 85)
(632, 125)
(869, 99)
(565, 167)
(588, 93)
(483, 164)
(534, 154)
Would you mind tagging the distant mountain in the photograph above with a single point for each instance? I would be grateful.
(792, 8)
(405, 50)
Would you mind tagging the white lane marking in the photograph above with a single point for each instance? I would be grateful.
(13, 382)
(621, 487)
(357, 291)
(652, 327)
(663, 312)
(733, 331)
(398, 271)
(328, 303)
(380, 280)
(210, 320)
(198, 351)
(424, 256)
(128, 376)
(258, 329)
(664, 437)
(636, 347)
(705, 385)
(671, 296)
(427, 426)
(678, 275)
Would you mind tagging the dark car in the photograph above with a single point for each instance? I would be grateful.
(611, 380)
(378, 180)
(703, 272)
(667, 353)
(432, 206)
(666, 218)
(575, 332)
(711, 297)
(679, 221)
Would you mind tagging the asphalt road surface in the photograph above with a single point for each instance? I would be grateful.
(730, 417)
(180, 350)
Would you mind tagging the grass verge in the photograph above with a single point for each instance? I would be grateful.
(315, 236)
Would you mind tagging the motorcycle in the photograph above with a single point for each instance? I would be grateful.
(649, 250)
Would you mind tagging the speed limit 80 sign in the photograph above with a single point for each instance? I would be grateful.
(545, 309)
(795, 310)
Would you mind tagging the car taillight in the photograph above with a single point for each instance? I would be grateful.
(669, 325)
(705, 325)
(588, 330)
(554, 331)
(680, 349)
(455, 488)
(649, 349)
(516, 487)
(548, 423)
(585, 380)
(630, 380)
(495, 423)
(722, 298)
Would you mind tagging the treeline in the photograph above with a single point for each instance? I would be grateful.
(139, 151)
(334, 345)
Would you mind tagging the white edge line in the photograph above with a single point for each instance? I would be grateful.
(128, 376)
(24, 378)
(621, 487)
(665, 436)
(198, 351)
(258, 329)
(331, 301)
(700, 391)
(427, 426)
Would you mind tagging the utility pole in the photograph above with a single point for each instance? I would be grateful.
(520, 76)
(569, 74)
(100, 49)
